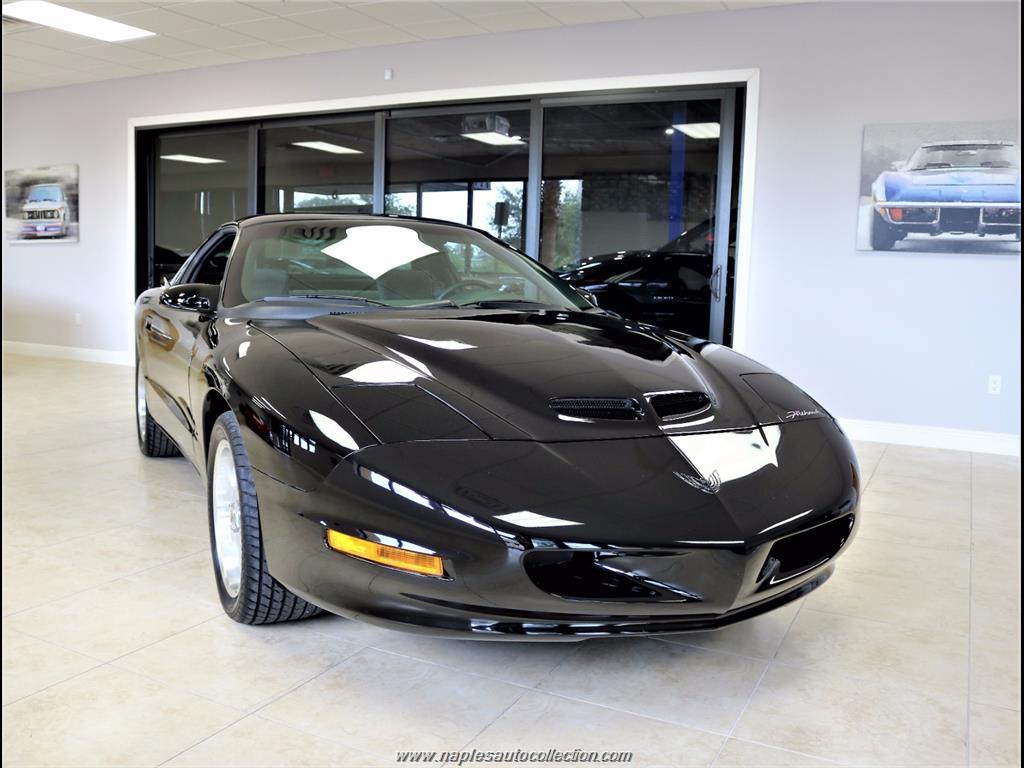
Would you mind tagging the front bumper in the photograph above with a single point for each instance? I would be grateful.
(633, 551)
(42, 228)
(953, 217)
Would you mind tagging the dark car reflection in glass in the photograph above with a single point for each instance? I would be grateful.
(408, 423)
(669, 286)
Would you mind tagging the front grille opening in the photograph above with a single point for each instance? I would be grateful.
(606, 408)
(596, 576)
(803, 552)
(959, 219)
(674, 405)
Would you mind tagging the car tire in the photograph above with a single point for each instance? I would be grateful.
(153, 441)
(248, 593)
(883, 236)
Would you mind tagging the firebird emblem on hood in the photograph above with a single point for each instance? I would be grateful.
(711, 484)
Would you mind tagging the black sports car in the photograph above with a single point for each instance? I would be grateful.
(407, 422)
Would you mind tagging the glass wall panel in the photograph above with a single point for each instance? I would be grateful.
(628, 196)
(318, 167)
(466, 167)
(201, 182)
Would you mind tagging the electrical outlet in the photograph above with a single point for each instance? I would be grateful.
(389, 74)
(78, 318)
(995, 385)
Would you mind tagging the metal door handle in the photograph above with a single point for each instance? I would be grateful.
(716, 284)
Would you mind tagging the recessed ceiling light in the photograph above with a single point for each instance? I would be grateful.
(494, 138)
(700, 130)
(76, 22)
(326, 146)
(191, 159)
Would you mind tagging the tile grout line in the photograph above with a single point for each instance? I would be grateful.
(757, 685)
(262, 705)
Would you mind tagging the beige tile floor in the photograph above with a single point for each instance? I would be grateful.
(115, 651)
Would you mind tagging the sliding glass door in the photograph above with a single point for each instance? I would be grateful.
(631, 194)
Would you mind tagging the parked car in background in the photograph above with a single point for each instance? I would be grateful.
(949, 187)
(45, 212)
(669, 286)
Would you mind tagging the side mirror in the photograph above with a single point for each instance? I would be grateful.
(192, 297)
(898, 165)
(588, 296)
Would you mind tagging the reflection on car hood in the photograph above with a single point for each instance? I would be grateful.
(501, 369)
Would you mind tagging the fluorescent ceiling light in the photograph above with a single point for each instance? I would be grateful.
(76, 22)
(494, 138)
(191, 159)
(699, 130)
(326, 146)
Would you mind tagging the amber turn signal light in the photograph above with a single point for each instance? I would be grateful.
(394, 557)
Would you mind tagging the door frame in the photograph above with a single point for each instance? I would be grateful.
(750, 78)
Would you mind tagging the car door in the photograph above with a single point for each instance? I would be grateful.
(170, 334)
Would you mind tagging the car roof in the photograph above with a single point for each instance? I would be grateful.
(369, 218)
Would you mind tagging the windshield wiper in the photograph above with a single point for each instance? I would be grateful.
(329, 297)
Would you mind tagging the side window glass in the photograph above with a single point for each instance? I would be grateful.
(211, 272)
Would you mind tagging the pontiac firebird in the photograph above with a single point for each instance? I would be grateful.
(409, 423)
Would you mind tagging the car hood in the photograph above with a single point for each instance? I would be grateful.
(501, 369)
(956, 185)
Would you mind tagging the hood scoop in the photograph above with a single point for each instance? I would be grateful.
(676, 405)
(597, 408)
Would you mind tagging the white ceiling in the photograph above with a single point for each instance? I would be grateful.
(197, 33)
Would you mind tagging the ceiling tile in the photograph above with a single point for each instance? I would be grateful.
(651, 9)
(117, 54)
(588, 12)
(15, 46)
(164, 65)
(162, 45)
(337, 21)
(511, 22)
(317, 44)
(108, 10)
(433, 30)
(292, 7)
(402, 13)
(219, 12)
(271, 29)
(476, 10)
(260, 51)
(52, 38)
(216, 38)
(162, 22)
(381, 36)
(740, 5)
(14, 64)
(209, 58)
(17, 81)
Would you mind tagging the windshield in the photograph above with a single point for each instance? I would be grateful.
(45, 193)
(391, 262)
(979, 155)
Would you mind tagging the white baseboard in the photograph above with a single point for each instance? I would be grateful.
(1003, 443)
(69, 353)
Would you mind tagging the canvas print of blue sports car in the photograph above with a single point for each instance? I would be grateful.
(941, 188)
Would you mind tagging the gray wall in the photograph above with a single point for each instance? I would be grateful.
(909, 339)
